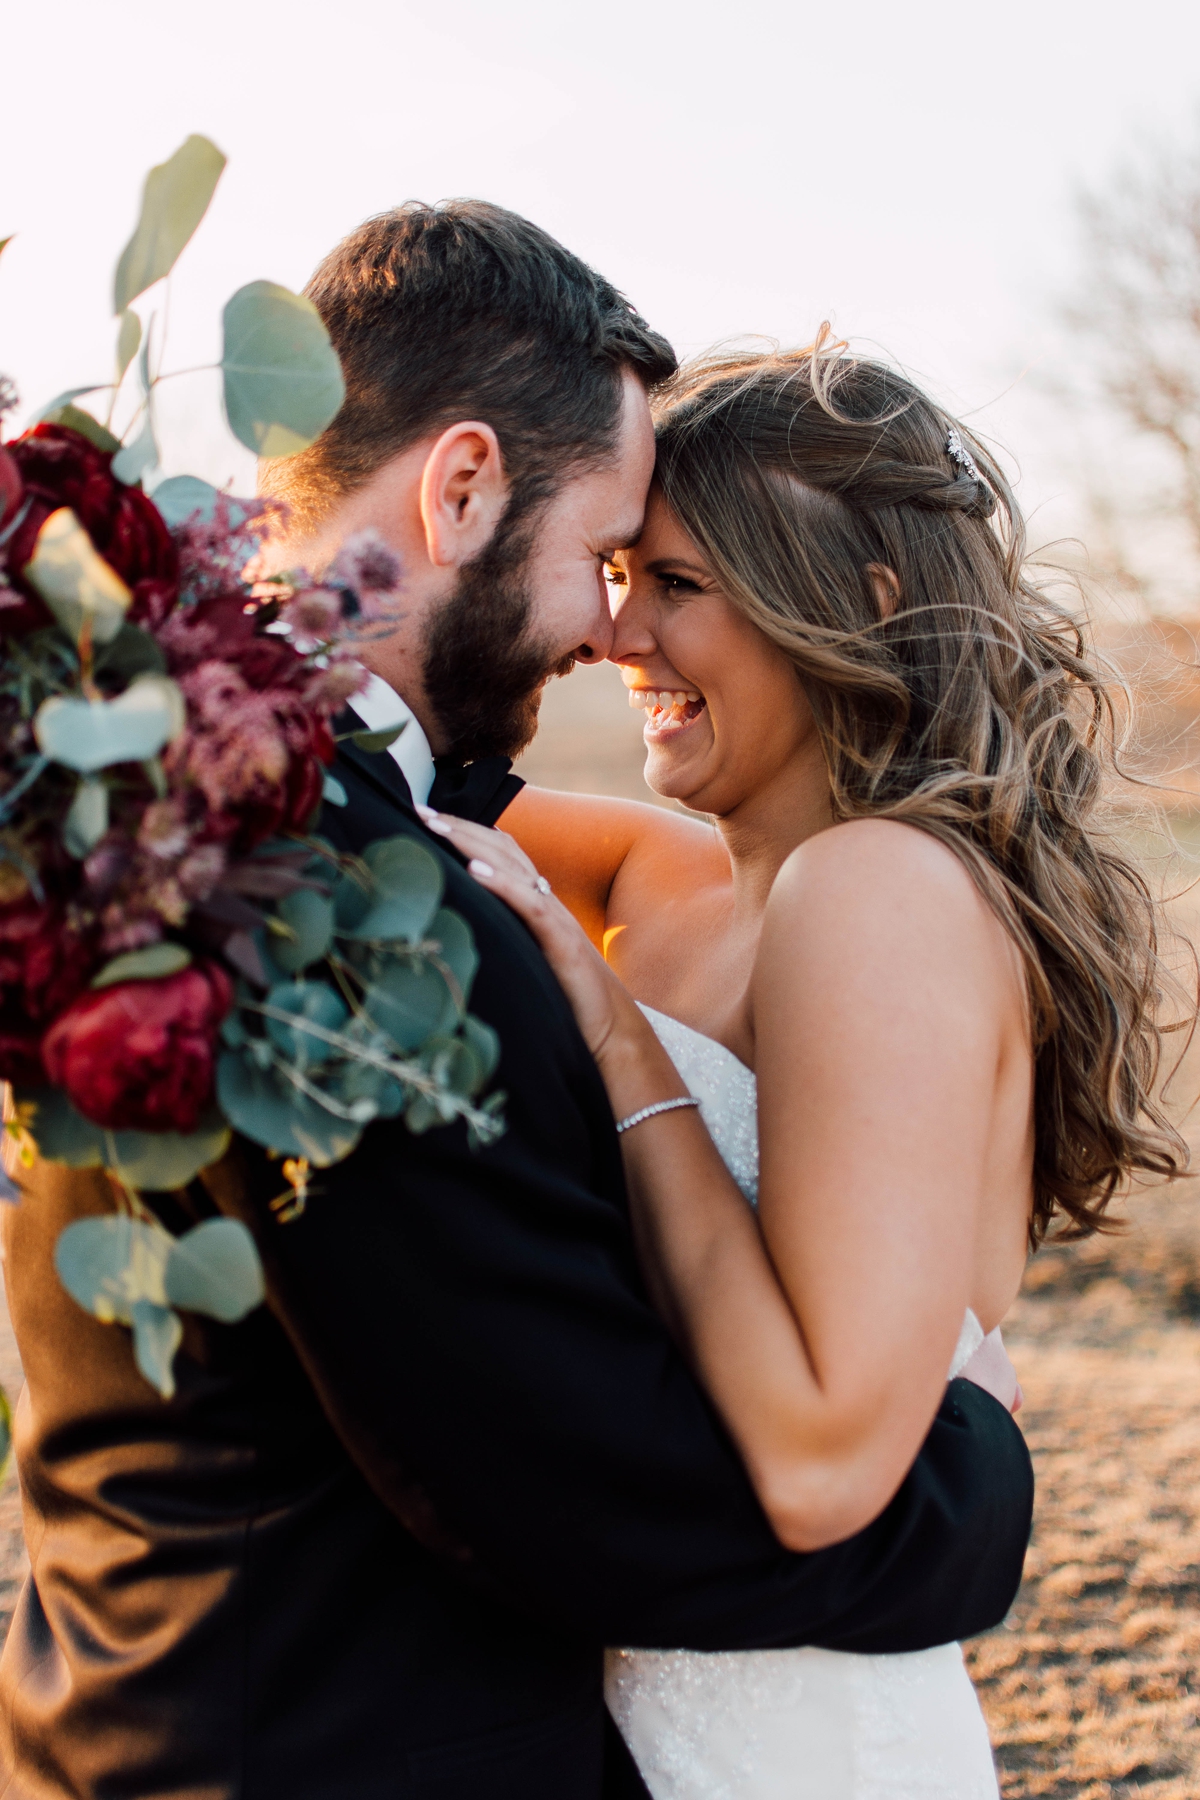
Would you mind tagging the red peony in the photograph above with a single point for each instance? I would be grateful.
(59, 467)
(139, 1056)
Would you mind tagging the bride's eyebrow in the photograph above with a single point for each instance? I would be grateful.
(674, 565)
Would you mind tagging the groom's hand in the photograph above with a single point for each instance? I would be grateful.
(991, 1369)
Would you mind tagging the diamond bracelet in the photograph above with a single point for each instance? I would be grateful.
(648, 1112)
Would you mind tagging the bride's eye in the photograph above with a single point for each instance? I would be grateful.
(615, 577)
(679, 587)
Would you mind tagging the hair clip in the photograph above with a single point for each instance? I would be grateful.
(957, 451)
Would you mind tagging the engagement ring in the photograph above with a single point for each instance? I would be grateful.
(542, 885)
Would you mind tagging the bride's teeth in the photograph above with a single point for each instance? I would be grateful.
(692, 697)
(679, 699)
(666, 699)
(638, 696)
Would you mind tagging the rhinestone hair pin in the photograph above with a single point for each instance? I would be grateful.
(957, 451)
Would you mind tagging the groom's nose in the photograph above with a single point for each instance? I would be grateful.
(598, 642)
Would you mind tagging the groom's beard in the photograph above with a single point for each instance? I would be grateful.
(484, 670)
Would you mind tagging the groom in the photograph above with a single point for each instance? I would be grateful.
(373, 1547)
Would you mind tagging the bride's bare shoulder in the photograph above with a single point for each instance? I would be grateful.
(880, 882)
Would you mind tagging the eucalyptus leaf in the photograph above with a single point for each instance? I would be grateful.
(409, 1004)
(75, 581)
(76, 419)
(182, 497)
(257, 1103)
(87, 818)
(214, 1269)
(378, 740)
(132, 652)
(305, 1001)
(309, 915)
(351, 903)
(485, 1043)
(333, 793)
(408, 887)
(87, 735)
(108, 1264)
(160, 1161)
(62, 1134)
(283, 381)
(420, 1114)
(129, 336)
(131, 463)
(143, 965)
(458, 950)
(157, 1335)
(174, 200)
(4, 243)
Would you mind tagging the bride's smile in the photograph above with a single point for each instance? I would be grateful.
(726, 716)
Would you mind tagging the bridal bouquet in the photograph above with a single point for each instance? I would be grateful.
(181, 956)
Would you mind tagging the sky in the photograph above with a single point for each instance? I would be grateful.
(906, 171)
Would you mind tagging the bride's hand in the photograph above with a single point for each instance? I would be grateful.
(600, 1003)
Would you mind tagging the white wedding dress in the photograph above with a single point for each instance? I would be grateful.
(802, 1724)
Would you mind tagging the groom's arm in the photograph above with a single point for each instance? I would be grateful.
(477, 1330)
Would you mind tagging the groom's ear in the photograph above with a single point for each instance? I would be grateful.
(463, 493)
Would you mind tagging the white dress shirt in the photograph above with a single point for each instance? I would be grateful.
(379, 706)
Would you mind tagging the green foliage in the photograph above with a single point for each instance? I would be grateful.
(304, 1003)
(377, 1027)
(409, 1003)
(129, 336)
(378, 740)
(407, 888)
(131, 1271)
(174, 200)
(266, 1108)
(63, 1135)
(87, 735)
(214, 1269)
(180, 497)
(160, 1161)
(149, 964)
(87, 820)
(74, 417)
(283, 381)
(308, 916)
(131, 463)
(132, 652)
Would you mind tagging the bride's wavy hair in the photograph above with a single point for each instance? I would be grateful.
(971, 710)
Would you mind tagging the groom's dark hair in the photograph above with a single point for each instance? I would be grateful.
(466, 311)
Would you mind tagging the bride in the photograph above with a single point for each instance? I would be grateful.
(909, 985)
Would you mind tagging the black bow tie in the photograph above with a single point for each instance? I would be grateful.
(480, 790)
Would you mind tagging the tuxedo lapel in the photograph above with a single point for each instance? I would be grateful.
(382, 772)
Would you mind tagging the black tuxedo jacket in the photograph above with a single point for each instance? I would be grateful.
(375, 1544)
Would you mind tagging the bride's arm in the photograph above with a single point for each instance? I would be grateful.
(586, 845)
(879, 997)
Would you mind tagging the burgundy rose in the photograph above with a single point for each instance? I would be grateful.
(43, 965)
(59, 467)
(139, 1056)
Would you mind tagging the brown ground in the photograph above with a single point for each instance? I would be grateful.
(1092, 1686)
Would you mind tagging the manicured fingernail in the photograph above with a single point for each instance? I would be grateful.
(480, 868)
(442, 826)
(425, 812)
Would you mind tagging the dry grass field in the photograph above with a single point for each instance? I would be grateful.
(1092, 1686)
